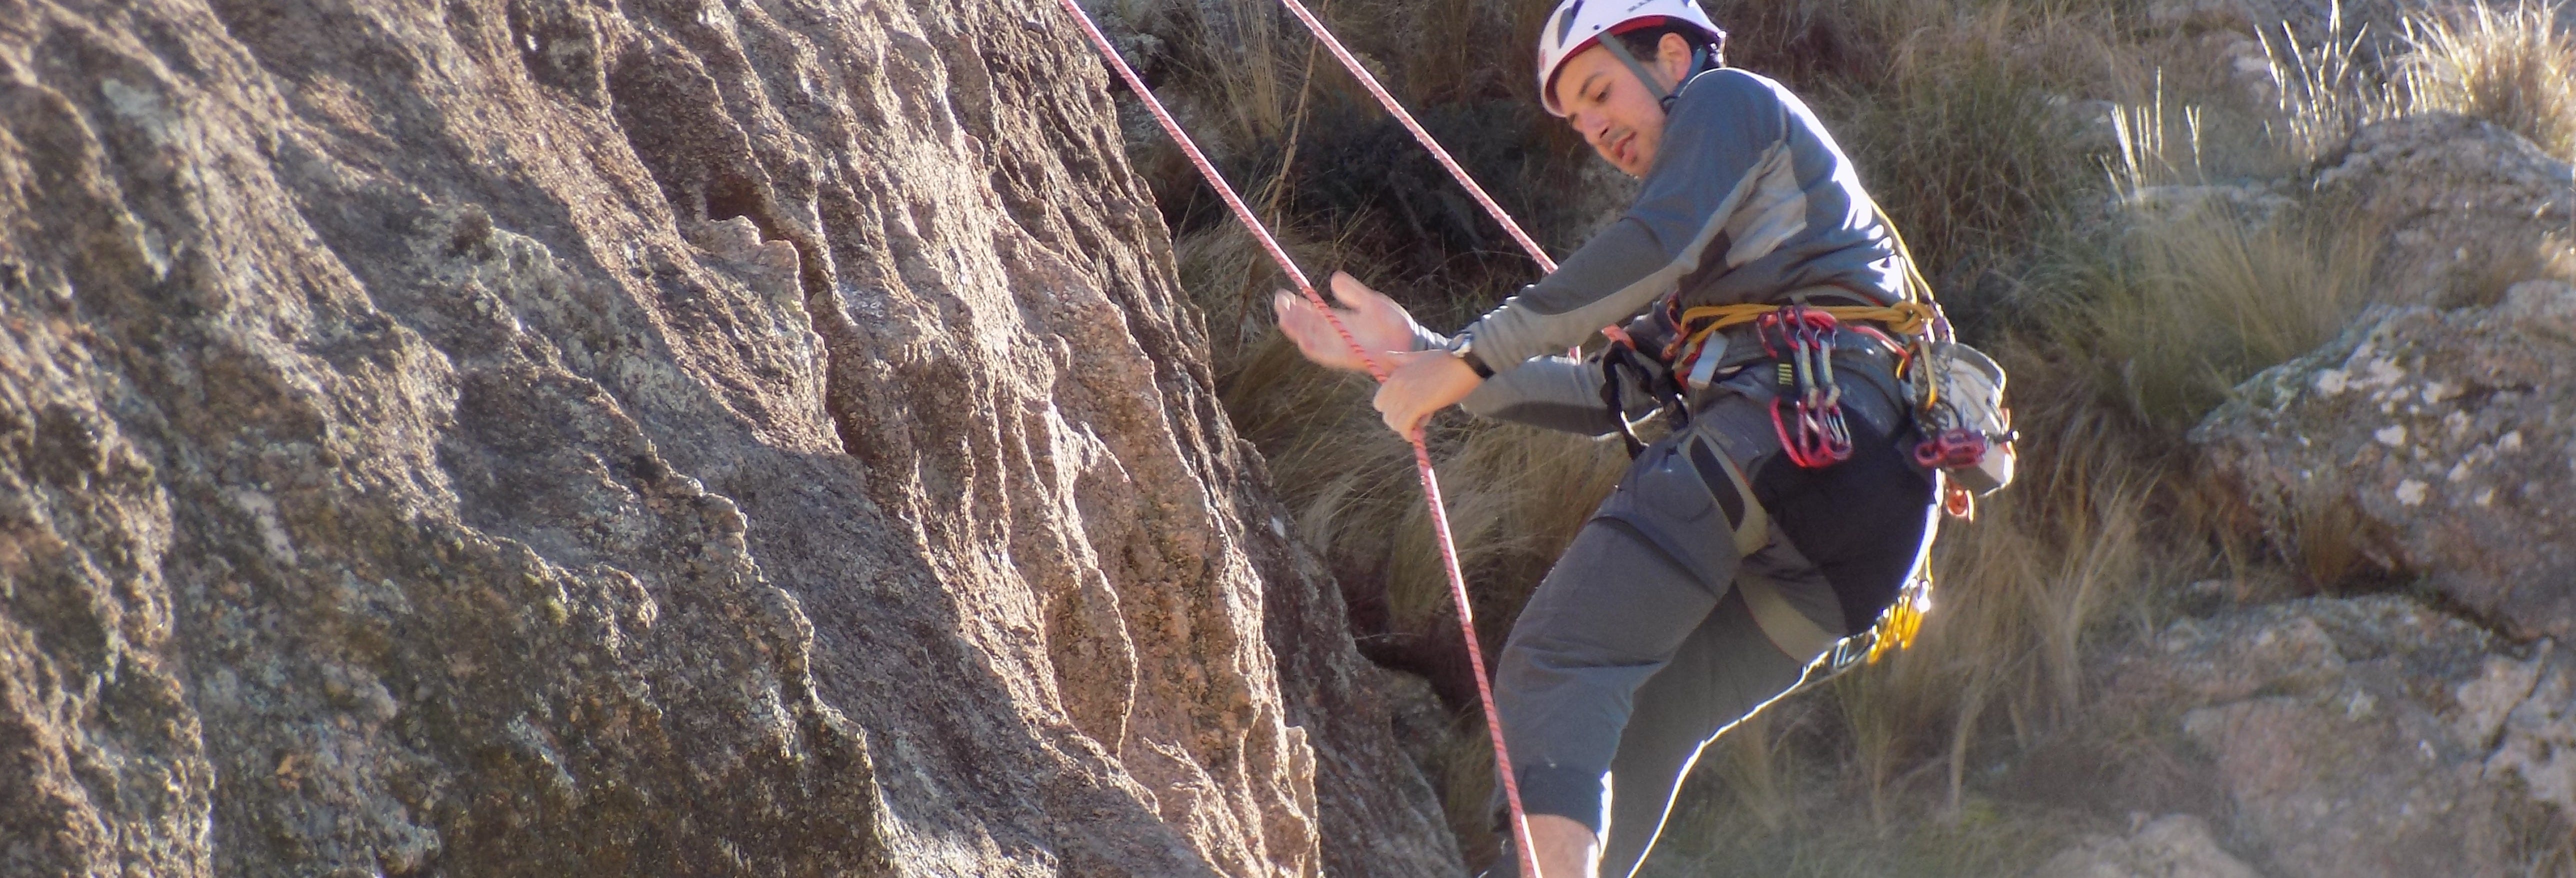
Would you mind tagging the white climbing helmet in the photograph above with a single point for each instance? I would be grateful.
(1577, 24)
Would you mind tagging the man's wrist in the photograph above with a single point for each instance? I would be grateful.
(1463, 346)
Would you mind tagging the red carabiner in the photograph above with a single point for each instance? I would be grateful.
(1955, 447)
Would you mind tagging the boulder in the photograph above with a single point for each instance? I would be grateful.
(2350, 737)
(2437, 444)
(2172, 846)
(2435, 436)
(666, 438)
(2470, 207)
(2527, 711)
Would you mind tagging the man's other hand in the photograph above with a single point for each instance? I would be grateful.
(1376, 322)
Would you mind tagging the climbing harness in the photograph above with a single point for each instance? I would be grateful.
(1957, 389)
(1957, 392)
(1421, 453)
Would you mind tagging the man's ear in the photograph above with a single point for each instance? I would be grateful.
(1673, 57)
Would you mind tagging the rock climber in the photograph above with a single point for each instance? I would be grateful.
(1734, 551)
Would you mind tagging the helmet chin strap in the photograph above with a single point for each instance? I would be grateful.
(1646, 75)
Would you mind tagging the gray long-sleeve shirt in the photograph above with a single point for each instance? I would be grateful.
(1748, 200)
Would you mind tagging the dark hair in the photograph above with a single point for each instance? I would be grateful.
(1645, 41)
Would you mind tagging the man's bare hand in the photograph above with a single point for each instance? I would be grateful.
(1376, 322)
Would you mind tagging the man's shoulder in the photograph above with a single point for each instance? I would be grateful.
(1743, 78)
(1728, 89)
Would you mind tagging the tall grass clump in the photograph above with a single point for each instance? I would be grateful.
(2147, 155)
(2514, 66)
(1961, 136)
(2511, 65)
(2325, 90)
(2181, 309)
(2022, 589)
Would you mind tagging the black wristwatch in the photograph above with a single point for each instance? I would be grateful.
(1463, 346)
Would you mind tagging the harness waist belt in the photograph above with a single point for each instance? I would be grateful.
(1721, 354)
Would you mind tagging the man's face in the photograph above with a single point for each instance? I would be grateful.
(1622, 118)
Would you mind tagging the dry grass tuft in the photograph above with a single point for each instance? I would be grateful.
(2148, 156)
(2513, 66)
(1463, 766)
(1960, 126)
(1516, 497)
(2332, 544)
(2169, 319)
(2327, 90)
(2022, 589)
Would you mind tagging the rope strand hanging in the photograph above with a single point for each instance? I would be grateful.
(1423, 136)
(1421, 454)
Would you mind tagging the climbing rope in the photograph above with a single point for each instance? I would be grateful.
(1423, 136)
(1369, 81)
(1421, 454)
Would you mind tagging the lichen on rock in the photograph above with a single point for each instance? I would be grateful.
(2434, 438)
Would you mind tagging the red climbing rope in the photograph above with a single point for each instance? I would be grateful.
(1370, 82)
(1421, 454)
(1423, 136)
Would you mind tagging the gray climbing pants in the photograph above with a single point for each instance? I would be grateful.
(1669, 619)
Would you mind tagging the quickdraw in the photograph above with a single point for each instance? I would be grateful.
(1801, 339)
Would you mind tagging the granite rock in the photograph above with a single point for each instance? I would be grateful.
(493, 437)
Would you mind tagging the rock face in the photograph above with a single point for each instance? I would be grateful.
(2435, 443)
(2465, 200)
(2353, 737)
(2425, 441)
(2172, 846)
(494, 437)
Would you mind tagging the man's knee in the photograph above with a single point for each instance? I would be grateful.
(1580, 794)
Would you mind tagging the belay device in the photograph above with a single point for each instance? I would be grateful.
(1967, 431)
